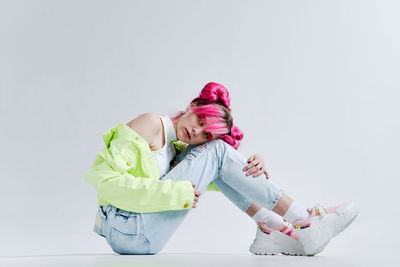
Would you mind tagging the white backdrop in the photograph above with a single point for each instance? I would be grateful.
(314, 86)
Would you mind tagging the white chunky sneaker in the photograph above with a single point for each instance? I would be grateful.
(272, 241)
(324, 224)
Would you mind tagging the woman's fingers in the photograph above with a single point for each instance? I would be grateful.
(197, 194)
(251, 158)
(261, 171)
(255, 168)
(252, 164)
(266, 173)
(258, 173)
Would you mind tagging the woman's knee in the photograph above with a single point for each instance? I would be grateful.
(214, 146)
(217, 142)
(218, 145)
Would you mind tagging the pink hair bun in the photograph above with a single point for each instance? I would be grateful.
(215, 92)
(234, 138)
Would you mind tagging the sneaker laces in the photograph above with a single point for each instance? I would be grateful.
(288, 227)
(288, 224)
(319, 210)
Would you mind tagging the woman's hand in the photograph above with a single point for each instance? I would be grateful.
(196, 196)
(256, 164)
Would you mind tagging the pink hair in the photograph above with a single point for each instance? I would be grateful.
(219, 121)
(234, 138)
(213, 117)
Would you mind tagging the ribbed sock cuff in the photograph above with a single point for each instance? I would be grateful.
(270, 218)
(296, 211)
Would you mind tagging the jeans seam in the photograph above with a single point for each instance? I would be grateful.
(275, 201)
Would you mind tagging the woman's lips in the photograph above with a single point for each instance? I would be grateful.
(187, 133)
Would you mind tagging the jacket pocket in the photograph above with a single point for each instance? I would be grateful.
(122, 155)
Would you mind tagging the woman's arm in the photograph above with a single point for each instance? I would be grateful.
(135, 193)
(124, 174)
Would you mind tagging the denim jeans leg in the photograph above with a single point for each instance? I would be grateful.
(231, 164)
(235, 197)
(198, 165)
(219, 162)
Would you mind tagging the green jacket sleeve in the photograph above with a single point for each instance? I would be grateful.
(138, 194)
(124, 174)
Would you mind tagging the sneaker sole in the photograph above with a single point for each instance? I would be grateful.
(274, 244)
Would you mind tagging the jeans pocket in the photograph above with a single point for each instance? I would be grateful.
(124, 236)
(128, 243)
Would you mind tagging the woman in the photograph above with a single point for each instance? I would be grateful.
(142, 200)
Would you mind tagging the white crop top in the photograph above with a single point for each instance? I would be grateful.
(167, 153)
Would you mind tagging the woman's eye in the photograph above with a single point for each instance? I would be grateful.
(200, 120)
(207, 136)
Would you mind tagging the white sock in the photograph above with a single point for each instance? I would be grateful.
(270, 218)
(295, 212)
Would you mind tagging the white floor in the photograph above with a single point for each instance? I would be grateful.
(358, 246)
(200, 260)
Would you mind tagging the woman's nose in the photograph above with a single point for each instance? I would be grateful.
(195, 131)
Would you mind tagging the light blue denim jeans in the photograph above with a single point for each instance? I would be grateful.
(147, 233)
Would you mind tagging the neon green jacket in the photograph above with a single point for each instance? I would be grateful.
(125, 175)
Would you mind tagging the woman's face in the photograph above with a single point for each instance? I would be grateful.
(189, 129)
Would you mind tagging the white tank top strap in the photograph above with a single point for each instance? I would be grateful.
(166, 134)
(167, 153)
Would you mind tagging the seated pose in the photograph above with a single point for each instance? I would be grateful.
(154, 169)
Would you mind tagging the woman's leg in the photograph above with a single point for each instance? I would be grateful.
(244, 204)
(213, 161)
(252, 209)
(217, 160)
(201, 165)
